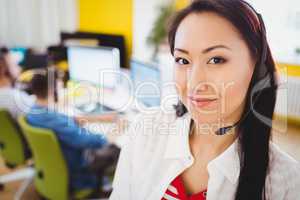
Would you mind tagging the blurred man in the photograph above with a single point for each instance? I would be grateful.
(15, 101)
(75, 141)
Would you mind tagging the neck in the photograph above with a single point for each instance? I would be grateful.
(42, 102)
(208, 142)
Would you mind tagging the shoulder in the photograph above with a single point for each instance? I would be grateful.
(7, 92)
(148, 127)
(158, 115)
(20, 99)
(284, 170)
(150, 122)
(282, 162)
(22, 96)
(45, 115)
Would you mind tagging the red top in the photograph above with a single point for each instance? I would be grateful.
(176, 190)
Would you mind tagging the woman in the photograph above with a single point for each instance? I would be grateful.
(216, 144)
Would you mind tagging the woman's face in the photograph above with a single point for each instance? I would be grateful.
(213, 69)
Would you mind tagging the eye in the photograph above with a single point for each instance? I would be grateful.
(216, 60)
(181, 61)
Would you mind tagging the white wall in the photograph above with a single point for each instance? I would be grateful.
(282, 20)
(35, 23)
(145, 13)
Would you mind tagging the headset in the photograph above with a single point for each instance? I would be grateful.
(260, 71)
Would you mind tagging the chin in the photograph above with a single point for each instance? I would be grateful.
(205, 118)
(203, 115)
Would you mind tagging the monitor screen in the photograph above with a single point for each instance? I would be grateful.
(18, 54)
(97, 65)
(146, 83)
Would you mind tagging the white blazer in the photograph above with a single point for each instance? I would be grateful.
(157, 150)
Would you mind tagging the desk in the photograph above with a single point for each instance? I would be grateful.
(117, 99)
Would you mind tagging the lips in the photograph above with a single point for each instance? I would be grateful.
(200, 101)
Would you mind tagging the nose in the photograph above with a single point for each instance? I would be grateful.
(197, 80)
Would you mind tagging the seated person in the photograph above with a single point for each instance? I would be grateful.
(15, 101)
(74, 140)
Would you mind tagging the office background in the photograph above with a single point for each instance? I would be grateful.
(49, 28)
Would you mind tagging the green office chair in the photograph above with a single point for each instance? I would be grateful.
(52, 179)
(14, 153)
(12, 148)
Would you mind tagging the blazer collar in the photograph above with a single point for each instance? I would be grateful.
(228, 162)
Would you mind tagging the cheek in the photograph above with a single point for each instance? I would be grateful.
(235, 92)
(181, 82)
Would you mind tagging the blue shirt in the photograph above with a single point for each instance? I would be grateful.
(73, 140)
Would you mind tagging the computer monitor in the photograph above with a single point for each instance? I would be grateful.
(18, 53)
(146, 83)
(34, 61)
(97, 65)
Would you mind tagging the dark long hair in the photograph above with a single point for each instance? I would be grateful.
(254, 133)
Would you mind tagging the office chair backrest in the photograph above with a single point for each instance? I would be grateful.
(12, 148)
(51, 178)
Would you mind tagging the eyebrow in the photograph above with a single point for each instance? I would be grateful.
(205, 50)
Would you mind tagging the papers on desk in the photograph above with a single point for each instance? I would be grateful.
(113, 131)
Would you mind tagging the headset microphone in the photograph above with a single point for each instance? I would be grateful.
(262, 70)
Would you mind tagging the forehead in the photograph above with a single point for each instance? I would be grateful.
(200, 30)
